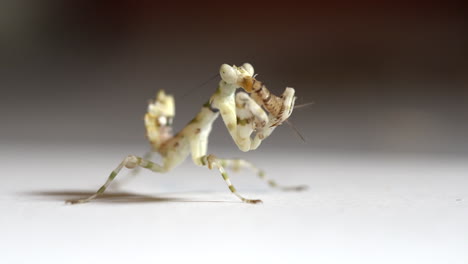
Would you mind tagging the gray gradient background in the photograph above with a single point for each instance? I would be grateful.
(388, 77)
(386, 138)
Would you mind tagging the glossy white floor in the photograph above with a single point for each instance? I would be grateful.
(360, 208)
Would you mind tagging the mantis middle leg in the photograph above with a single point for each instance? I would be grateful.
(238, 164)
(198, 148)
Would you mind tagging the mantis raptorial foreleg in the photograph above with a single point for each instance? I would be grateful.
(279, 108)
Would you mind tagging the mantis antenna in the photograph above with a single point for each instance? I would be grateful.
(303, 105)
(200, 85)
(294, 128)
(291, 124)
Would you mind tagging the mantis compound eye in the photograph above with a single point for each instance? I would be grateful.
(228, 74)
(248, 68)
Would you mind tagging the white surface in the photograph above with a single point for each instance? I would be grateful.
(359, 209)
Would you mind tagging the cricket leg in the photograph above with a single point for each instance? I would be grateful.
(238, 164)
(198, 149)
(129, 162)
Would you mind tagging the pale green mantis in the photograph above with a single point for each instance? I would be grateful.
(242, 114)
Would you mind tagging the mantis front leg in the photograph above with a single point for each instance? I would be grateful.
(225, 101)
(243, 114)
(230, 120)
(250, 117)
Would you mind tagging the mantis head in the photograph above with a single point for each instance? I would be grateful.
(234, 74)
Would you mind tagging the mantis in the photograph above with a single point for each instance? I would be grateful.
(242, 114)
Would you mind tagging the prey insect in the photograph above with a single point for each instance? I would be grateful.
(243, 115)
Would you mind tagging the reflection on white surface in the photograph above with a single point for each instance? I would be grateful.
(360, 208)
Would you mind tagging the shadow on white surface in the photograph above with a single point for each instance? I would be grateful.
(115, 197)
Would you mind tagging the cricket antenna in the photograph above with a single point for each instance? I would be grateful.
(294, 128)
(303, 105)
(200, 85)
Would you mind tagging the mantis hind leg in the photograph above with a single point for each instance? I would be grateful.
(129, 162)
(117, 184)
(148, 156)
